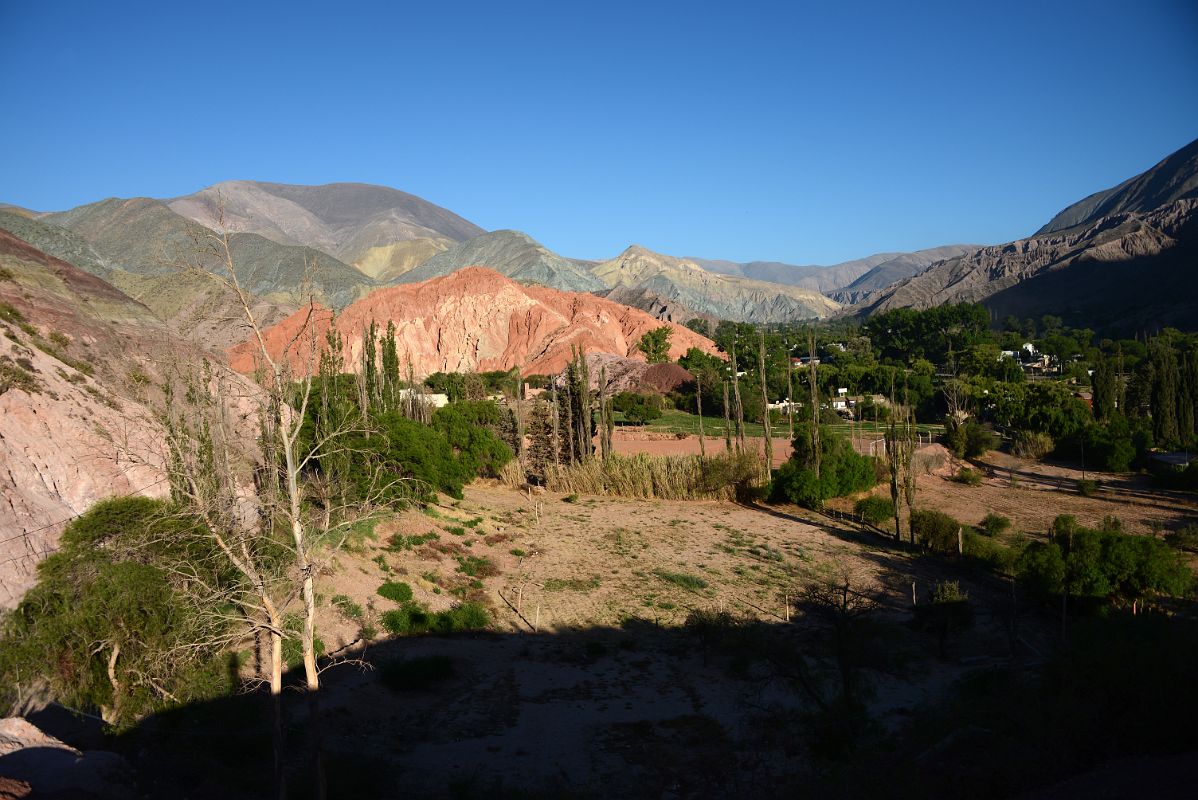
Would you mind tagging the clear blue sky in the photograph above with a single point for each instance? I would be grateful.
(807, 132)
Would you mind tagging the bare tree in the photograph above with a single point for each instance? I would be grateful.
(815, 454)
(765, 407)
(289, 451)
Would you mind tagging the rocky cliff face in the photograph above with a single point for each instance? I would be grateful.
(476, 319)
(79, 363)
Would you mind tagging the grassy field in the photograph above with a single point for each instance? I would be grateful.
(673, 421)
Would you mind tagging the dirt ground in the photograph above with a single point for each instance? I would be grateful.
(1032, 494)
(582, 683)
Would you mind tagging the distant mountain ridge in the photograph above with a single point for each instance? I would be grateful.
(1174, 178)
(722, 296)
(380, 230)
(511, 253)
(1119, 260)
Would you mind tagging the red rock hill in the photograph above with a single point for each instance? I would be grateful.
(474, 320)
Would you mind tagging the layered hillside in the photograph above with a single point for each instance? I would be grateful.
(476, 319)
(146, 237)
(889, 272)
(654, 304)
(79, 363)
(381, 231)
(514, 254)
(1111, 270)
(722, 296)
(1126, 272)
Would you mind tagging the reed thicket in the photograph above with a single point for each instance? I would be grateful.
(649, 477)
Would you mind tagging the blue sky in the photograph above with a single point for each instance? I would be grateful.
(803, 132)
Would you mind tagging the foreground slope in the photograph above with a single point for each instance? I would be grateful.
(477, 319)
(704, 292)
(381, 231)
(1119, 263)
(514, 254)
(79, 365)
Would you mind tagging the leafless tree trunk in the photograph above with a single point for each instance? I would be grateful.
(765, 408)
(737, 408)
(727, 421)
(815, 453)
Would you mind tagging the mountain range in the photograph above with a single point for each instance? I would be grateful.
(338, 243)
(1119, 260)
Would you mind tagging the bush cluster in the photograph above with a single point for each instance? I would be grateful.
(842, 470)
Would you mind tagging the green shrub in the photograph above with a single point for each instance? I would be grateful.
(1033, 445)
(1087, 487)
(843, 471)
(348, 608)
(690, 582)
(471, 430)
(476, 566)
(935, 530)
(396, 591)
(636, 408)
(1184, 539)
(968, 439)
(415, 674)
(967, 476)
(949, 592)
(874, 510)
(407, 620)
(400, 542)
(571, 584)
(990, 551)
(10, 313)
(417, 459)
(1102, 564)
(995, 524)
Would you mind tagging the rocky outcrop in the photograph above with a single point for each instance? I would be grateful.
(631, 375)
(34, 764)
(475, 319)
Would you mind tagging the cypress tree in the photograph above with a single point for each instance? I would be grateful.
(1105, 394)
